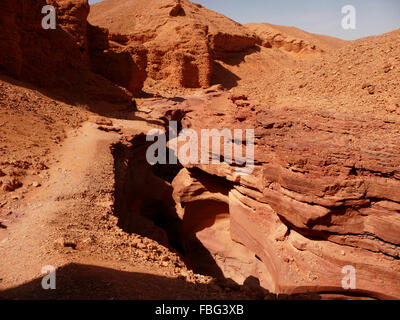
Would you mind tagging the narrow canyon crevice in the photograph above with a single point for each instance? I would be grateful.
(143, 200)
(190, 217)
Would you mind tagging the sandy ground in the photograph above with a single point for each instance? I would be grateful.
(65, 222)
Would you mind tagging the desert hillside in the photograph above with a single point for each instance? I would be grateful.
(182, 38)
(294, 39)
(77, 191)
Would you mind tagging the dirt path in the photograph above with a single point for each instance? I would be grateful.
(66, 223)
(28, 244)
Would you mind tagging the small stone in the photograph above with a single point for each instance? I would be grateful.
(63, 243)
(184, 273)
(42, 166)
(36, 184)
(135, 242)
(387, 68)
(369, 87)
(303, 85)
(104, 122)
(141, 245)
(59, 243)
(12, 184)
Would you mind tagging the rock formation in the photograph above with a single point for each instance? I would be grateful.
(324, 192)
(67, 56)
(123, 65)
(292, 39)
(31, 53)
(182, 38)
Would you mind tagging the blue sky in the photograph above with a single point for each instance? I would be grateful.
(317, 16)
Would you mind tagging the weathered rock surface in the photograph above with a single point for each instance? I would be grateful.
(203, 204)
(324, 193)
(64, 57)
(123, 65)
(292, 39)
(182, 38)
(325, 189)
(32, 53)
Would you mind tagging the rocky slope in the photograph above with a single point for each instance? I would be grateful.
(292, 39)
(324, 192)
(182, 38)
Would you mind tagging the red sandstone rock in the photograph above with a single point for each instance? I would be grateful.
(292, 39)
(182, 38)
(325, 190)
(57, 58)
(324, 194)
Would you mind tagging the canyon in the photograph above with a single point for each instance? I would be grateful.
(78, 192)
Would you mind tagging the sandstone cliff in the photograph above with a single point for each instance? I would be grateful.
(292, 39)
(66, 56)
(182, 38)
(325, 190)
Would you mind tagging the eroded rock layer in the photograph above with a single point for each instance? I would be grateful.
(292, 39)
(324, 194)
(182, 38)
(66, 57)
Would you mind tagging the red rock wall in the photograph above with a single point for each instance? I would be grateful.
(31, 53)
(313, 205)
(182, 38)
(67, 56)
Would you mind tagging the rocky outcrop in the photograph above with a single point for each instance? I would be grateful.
(203, 205)
(72, 17)
(66, 56)
(182, 38)
(324, 194)
(31, 53)
(294, 40)
(224, 43)
(123, 65)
